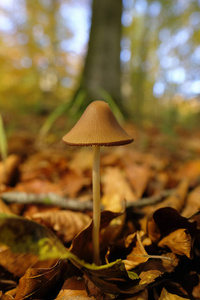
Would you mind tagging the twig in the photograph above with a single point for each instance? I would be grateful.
(150, 200)
(74, 204)
(47, 199)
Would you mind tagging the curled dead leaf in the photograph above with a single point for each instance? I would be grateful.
(179, 242)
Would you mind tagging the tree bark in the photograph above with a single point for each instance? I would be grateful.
(102, 66)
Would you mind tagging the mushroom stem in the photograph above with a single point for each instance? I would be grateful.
(96, 203)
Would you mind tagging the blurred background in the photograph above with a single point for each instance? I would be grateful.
(142, 56)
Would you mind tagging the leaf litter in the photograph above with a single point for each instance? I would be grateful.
(149, 238)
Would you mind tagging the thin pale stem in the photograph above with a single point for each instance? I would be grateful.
(96, 204)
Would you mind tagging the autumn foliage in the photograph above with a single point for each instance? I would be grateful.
(150, 235)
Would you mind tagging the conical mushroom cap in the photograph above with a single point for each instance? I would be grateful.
(97, 126)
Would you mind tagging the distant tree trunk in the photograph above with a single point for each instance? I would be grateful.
(102, 66)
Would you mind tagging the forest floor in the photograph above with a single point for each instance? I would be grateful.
(150, 222)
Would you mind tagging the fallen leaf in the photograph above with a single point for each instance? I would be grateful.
(4, 208)
(189, 171)
(73, 288)
(167, 220)
(179, 241)
(26, 236)
(5, 296)
(176, 200)
(9, 169)
(139, 176)
(73, 181)
(155, 267)
(38, 283)
(115, 182)
(22, 235)
(138, 253)
(82, 245)
(16, 263)
(193, 203)
(66, 224)
(165, 295)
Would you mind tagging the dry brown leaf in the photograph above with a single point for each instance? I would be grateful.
(73, 181)
(94, 291)
(113, 231)
(165, 295)
(193, 203)
(82, 244)
(82, 160)
(176, 200)
(179, 242)
(155, 267)
(190, 171)
(167, 220)
(139, 176)
(196, 289)
(5, 296)
(66, 224)
(4, 208)
(115, 182)
(38, 283)
(73, 288)
(138, 253)
(38, 186)
(15, 263)
(9, 169)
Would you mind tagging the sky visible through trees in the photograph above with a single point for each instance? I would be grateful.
(167, 32)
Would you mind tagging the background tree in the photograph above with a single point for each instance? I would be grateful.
(101, 76)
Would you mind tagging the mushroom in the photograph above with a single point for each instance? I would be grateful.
(97, 127)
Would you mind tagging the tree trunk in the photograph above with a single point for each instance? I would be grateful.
(102, 75)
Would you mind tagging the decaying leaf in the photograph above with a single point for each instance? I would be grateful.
(40, 283)
(165, 221)
(193, 202)
(114, 182)
(190, 171)
(139, 176)
(138, 253)
(17, 263)
(73, 288)
(66, 224)
(9, 169)
(165, 295)
(155, 267)
(179, 241)
(176, 200)
(82, 243)
(73, 181)
(4, 208)
(5, 296)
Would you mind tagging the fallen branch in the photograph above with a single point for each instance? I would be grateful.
(46, 199)
(150, 200)
(74, 204)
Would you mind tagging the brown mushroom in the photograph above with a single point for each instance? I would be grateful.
(97, 127)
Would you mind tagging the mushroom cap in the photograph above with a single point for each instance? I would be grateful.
(97, 126)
